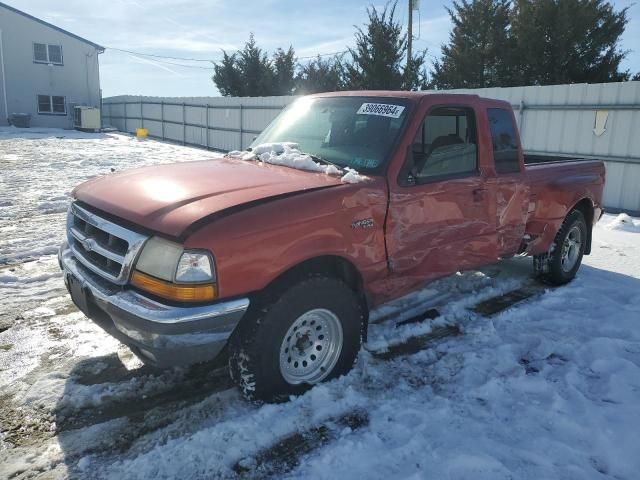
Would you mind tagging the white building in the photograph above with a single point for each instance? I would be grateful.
(44, 70)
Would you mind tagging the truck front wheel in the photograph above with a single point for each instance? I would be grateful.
(561, 264)
(309, 334)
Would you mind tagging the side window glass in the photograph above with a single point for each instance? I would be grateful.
(446, 144)
(55, 54)
(44, 104)
(40, 52)
(505, 149)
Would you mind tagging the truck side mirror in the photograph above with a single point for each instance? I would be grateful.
(408, 172)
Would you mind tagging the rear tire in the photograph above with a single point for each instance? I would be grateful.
(309, 334)
(561, 263)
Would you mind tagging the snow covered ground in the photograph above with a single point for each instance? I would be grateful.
(548, 388)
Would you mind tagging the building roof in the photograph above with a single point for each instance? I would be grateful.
(31, 17)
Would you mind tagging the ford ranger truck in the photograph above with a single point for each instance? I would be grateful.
(275, 256)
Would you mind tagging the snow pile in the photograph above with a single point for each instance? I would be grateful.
(288, 154)
(625, 223)
(352, 176)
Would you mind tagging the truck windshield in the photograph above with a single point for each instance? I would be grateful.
(355, 132)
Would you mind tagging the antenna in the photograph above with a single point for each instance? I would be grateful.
(413, 5)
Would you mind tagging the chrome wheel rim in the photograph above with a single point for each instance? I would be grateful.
(571, 249)
(311, 347)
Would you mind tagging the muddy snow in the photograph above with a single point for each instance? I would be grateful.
(484, 374)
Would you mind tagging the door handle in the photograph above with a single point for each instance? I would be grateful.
(479, 193)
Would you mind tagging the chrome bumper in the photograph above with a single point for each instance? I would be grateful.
(161, 334)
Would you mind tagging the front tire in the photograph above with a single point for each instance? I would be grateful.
(308, 334)
(561, 264)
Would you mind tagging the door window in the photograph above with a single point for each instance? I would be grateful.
(445, 145)
(503, 137)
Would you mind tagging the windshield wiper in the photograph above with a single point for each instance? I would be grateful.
(324, 160)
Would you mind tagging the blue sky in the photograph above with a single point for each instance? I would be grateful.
(201, 29)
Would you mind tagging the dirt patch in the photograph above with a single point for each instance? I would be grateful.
(285, 455)
(417, 343)
(24, 426)
(502, 302)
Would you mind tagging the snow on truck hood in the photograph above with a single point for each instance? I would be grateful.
(288, 154)
(169, 198)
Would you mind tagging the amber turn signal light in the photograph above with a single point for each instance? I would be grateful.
(172, 291)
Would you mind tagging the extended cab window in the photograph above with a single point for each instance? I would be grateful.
(445, 145)
(505, 149)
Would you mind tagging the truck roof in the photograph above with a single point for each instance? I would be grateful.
(411, 95)
(392, 93)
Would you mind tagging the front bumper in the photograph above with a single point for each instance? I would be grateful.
(160, 334)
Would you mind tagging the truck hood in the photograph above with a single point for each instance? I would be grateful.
(169, 198)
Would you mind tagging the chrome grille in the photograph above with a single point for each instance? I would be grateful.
(102, 246)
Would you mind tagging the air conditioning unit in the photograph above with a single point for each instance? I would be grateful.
(86, 118)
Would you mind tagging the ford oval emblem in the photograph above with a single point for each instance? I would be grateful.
(88, 244)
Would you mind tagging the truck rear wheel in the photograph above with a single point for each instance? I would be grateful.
(561, 264)
(309, 334)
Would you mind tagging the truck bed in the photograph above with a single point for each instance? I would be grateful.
(556, 184)
(533, 159)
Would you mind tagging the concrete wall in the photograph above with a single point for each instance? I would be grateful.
(558, 120)
(77, 80)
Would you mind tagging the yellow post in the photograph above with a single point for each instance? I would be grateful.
(142, 132)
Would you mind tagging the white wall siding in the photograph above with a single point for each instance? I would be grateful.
(77, 79)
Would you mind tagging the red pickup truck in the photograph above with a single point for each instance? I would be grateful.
(276, 255)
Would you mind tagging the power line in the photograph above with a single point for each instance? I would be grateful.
(322, 55)
(176, 64)
(188, 59)
(159, 56)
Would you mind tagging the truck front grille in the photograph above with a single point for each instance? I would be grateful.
(102, 246)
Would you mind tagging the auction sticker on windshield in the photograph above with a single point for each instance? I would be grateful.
(381, 109)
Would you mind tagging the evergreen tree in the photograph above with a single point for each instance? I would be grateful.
(255, 69)
(480, 49)
(227, 76)
(284, 64)
(250, 73)
(379, 57)
(568, 41)
(321, 76)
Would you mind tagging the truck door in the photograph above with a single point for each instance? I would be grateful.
(508, 187)
(439, 219)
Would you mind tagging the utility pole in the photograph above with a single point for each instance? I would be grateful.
(409, 40)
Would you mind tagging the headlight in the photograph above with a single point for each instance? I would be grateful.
(194, 267)
(166, 270)
(159, 258)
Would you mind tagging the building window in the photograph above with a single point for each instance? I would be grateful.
(52, 105)
(43, 53)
